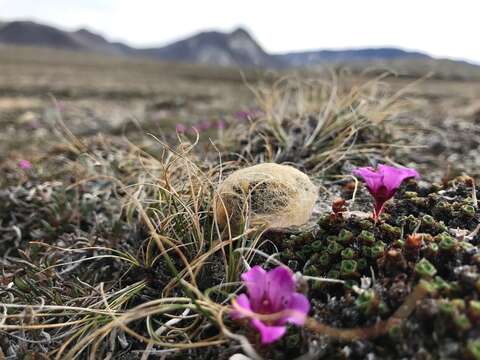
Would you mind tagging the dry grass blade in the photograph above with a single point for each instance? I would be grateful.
(316, 124)
(130, 251)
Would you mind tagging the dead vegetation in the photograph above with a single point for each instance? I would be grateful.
(111, 247)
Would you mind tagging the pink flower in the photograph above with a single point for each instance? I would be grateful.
(194, 130)
(204, 125)
(248, 114)
(220, 124)
(242, 115)
(24, 164)
(271, 293)
(180, 128)
(384, 182)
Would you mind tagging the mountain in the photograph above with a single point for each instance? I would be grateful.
(29, 33)
(97, 43)
(237, 48)
(309, 58)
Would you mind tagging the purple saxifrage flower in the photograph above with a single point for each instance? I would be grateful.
(248, 114)
(220, 124)
(383, 182)
(24, 164)
(271, 293)
(203, 125)
(180, 128)
(242, 115)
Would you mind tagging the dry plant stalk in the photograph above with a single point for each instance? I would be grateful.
(317, 123)
(172, 197)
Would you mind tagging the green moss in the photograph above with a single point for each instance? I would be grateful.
(314, 258)
(409, 222)
(441, 227)
(333, 274)
(324, 260)
(303, 254)
(325, 222)
(334, 248)
(377, 249)
(395, 332)
(455, 287)
(474, 308)
(331, 238)
(392, 232)
(428, 220)
(462, 322)
(410, 194)
(292, 341)
(428, 286)
(425, 269)
(307, 248)
(466, 245)
(366, 237)
(419, 201)
(400, 243)
(446, 307)
(366, 224)
(350, 283)
(348, 253)
(368, 303)
(443, 208)
(362, 264)
(317, 245)
(348, 267)
(441, 284)
(446, 242)
(367, 251)
(433, 247)
(473, 347)
(459, 304)
(468, 211)
(312, 271)
(345, 236)
(365, 301)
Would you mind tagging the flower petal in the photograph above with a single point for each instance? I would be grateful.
(256, 282)
(280, 287)
(242, 302)
(373, 179)
(300, 306)
(25, 164)
(393, 176)
(269, 334)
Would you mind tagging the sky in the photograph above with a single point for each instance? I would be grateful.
(442, 28)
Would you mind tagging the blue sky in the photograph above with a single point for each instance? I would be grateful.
(442, 28)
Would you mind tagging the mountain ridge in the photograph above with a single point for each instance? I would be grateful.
(315, 57)
(237, 48)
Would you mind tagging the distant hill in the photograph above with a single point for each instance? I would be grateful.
(33, 34)
(308, 58)
(30, 33)
(97, 43)
(235, 49)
